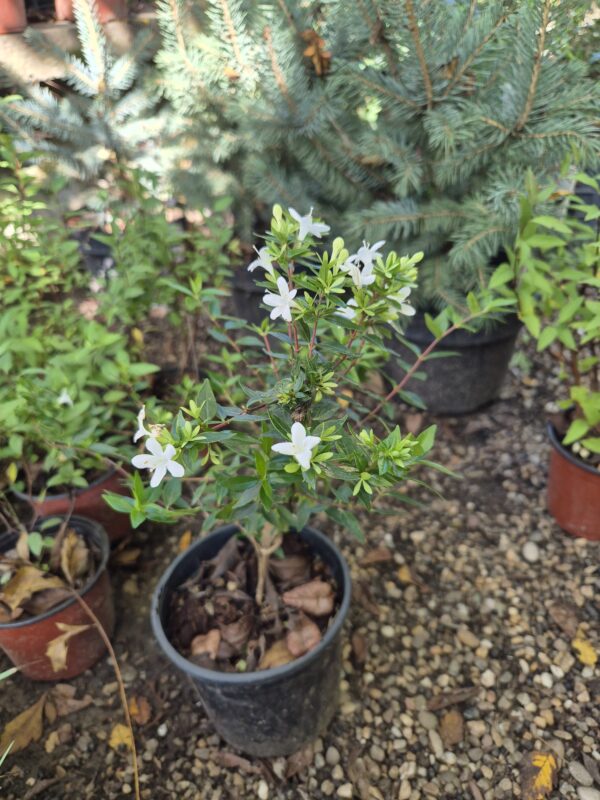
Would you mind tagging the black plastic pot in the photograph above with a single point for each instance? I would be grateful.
(468, 379)
(270, 712)
(247, 297)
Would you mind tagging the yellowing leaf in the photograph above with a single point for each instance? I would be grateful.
(137, 336)
(57, 648)
(185, 541)
(120, 735)
(25, 728)
(538, 775)
(585, 652)
(26, 581)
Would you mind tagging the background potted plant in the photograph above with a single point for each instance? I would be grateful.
(256, 622)
(44, 630)
(13, 18)
(555, 272)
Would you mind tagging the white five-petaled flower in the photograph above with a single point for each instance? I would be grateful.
(399, 298)
(366, 253)
(307, 226)
(64, 398)
(141, 431)
(264, 261)
(346, 311)
(360, 277)
(282, 303)
(300, 447)
(159, 461)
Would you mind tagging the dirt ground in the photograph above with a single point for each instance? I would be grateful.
(465, 597)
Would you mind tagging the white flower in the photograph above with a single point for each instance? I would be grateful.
(307, 226)
(141, 431)
(264, 260)
(366, 253)
(347, 312)
(300, 447)
(282, 303)
(160, 461)
(360, 277)
(64, 399)
(399, 298)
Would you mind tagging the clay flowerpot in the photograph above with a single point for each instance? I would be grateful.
(107, 10)
(470, 376)
(573, 491)
(271, 712)
(13, 18)
(89, 503)
(25, 641)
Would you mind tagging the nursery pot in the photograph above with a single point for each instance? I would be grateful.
(106, 9)
(470, 376)
(573, 491)
(13, 18)
(247, 297)
(271, 712)
(25, 641)
(89, 503)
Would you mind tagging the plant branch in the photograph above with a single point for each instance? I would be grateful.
(537, 68)
(414, 30)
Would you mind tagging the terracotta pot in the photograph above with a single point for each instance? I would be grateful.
(88, 503)
(25, 642)
(573, 491)
(13, 18)
(107, 10)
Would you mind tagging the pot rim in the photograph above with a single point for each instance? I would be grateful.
(77, 491)
(258, 676)
(79, 523)
(563, 451)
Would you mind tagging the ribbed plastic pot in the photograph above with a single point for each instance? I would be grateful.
(89, 503)
(270, 712)
(573, 491)
(13, 18)
(469, 379)
(25, 641)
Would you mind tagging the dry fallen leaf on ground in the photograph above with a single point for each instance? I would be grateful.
(233, 761)
(565, 615)
(62, 701)
(359, 647)
(407, 574)
(140, 709)
(452, 698)
(452, 728)
(314, 597)
(61, 735)
(119, 736)
(25, 728)
(125, 558)
(276, 656)
(303, 637)
(207, 643)
(57, 649)
(378, 555)
(585, 652)
(26, 581)
(185, 541)
(538, 775)
(299, 760)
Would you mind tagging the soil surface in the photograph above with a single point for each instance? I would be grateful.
(479, 591)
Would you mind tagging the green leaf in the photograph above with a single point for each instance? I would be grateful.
(592, 443)
(427, 438)
(502, 275)
(347, 520)
(552, 223)
(577, 429)
(547, 336)
(118, 503)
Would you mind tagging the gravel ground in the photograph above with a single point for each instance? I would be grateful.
(468, 596)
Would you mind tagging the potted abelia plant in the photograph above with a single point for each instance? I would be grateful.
(253, 612)
(555, 274)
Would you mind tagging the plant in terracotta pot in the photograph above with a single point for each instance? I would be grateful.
(253, 613)
(554, 271)
(45, 568)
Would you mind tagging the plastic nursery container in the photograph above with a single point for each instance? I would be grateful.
(573, 491)
(89, 503)
(270, 712)
(13, 18)
(25, 641)
(107, 10)
(469, 379)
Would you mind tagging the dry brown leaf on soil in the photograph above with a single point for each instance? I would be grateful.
(74, 556)
(452, 728)
(26, 581)
(566, 616)
(22, 546)
(378, 555)
(140, 709)
(57, 649)
(291, 569)
(407, 574)
(299, 760)
(232, 761)
(27, 727)
(359, 647)
(538, 775)
(61, 735)
(207, 643)
(127, 557)
(361, 592)
(185, 541)
(62, 701)
(119, 736)
(585, 651)
(45, 600)
(303, 637)
(314, 597)
(276, 656)
(452, 698)
(237, 633)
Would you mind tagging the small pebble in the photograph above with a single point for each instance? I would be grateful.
(345, 790)
(587, 793)
(488, 679)
(531, 552)
(263, 791)
(580, 773)
(388, 631)
(332, 756)
(466, 637)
